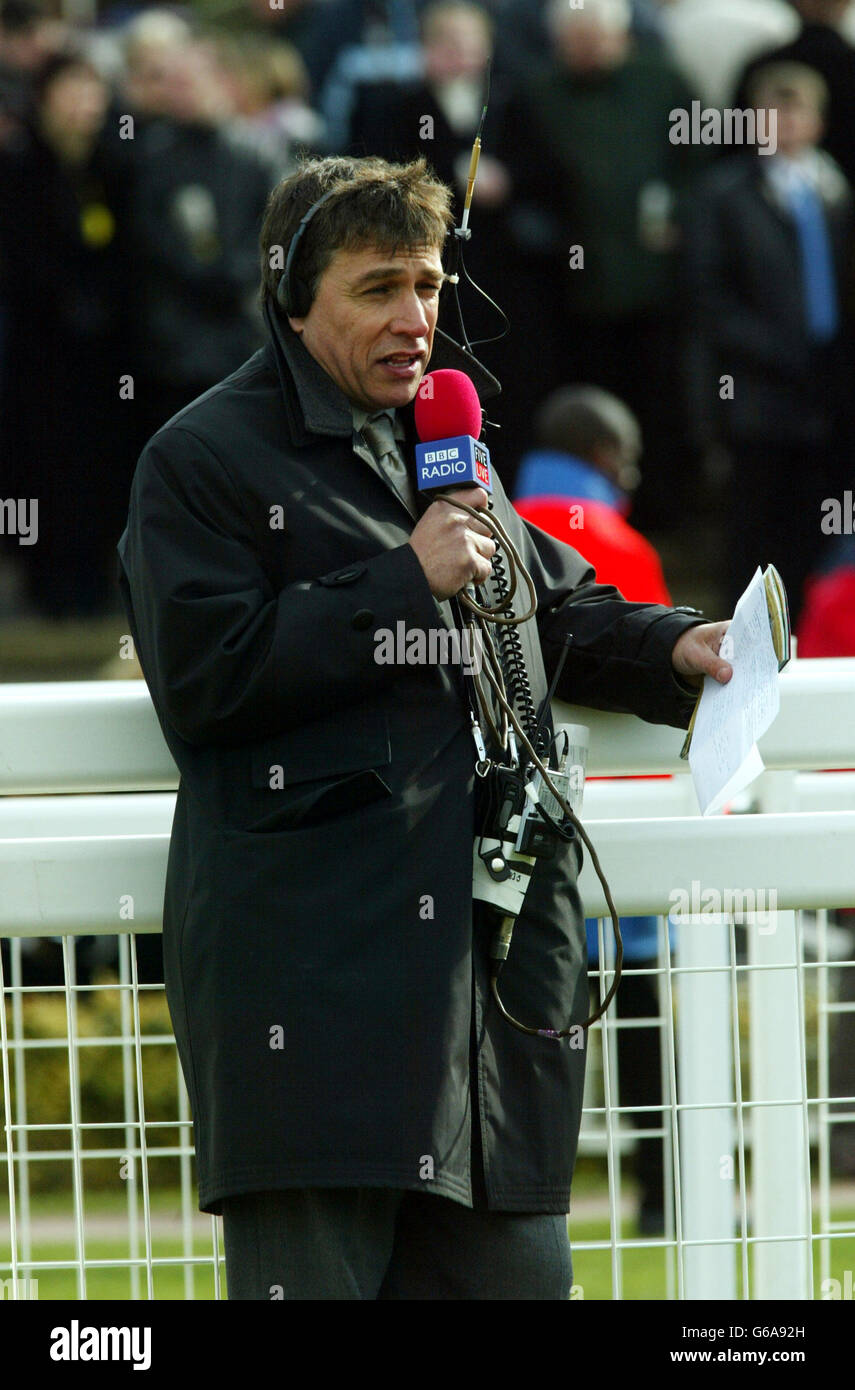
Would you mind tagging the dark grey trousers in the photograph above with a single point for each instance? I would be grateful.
(372, 1243)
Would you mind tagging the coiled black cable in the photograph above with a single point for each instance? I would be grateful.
(500, 613)
(516, 675)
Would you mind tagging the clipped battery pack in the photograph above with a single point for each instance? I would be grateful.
(500, 875)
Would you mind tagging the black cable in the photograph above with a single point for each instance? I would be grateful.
(497, 337)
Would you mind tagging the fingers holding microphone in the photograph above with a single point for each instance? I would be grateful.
(453, 547)
(480, 534)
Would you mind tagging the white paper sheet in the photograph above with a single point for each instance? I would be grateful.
(723, 755)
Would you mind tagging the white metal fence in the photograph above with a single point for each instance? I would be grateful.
(750, 1008)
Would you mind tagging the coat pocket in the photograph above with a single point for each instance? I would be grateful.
(323, 769)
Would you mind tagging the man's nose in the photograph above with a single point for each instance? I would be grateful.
(411, 317)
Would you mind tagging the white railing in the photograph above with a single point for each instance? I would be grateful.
(78, 859)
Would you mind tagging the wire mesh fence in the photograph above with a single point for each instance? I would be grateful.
(695, 1178)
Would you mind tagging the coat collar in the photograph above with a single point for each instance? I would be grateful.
(826, 178)
(315, 405)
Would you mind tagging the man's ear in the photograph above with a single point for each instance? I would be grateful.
(297, 325)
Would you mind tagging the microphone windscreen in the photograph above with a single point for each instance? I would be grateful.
(446, 406)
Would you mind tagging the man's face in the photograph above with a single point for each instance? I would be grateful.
(75, 102)
(799, 122)
(372, 322)
(587, 47)
(458, 46)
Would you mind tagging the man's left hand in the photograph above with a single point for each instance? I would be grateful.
(695, 653)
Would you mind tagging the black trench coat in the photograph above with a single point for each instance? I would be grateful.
(326, 975)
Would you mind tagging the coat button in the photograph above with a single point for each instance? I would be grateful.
(362, 619)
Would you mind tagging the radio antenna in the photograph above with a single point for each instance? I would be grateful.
(473, 163)
(463, 233)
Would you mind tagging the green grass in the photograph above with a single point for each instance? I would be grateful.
(167, 1281)
(643, 1269)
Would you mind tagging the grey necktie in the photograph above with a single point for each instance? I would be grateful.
(380, 438)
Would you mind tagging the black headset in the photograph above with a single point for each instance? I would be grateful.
(293, 293)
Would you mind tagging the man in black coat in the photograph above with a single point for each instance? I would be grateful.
(367, 1123)
(768, 252)
(820, 45)
(64, 210)
(197, 205)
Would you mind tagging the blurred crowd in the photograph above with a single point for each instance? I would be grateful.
(701, 280)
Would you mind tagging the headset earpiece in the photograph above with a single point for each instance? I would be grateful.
(293, 294)
(283, 299)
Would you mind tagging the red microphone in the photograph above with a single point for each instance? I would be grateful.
(448, 421)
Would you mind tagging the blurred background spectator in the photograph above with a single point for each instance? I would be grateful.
(151, 43)
(357, 42)
(198, 199)
(768, 253)
(65, 281)
(27, 38)
(589, 155)
(712, 40)
(269, 86)
(522, 32)
(578, 484)
(819, 44)
(827, 623)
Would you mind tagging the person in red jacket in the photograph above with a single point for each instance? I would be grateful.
(577, 485)
(826, 625)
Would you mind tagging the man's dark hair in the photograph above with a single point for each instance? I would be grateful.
(56, 65)
(390, 206)
(580, 419)
(433, 14)
(784, 81)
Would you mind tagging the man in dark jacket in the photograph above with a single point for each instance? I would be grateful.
(197, 206)
(768, 257)
(586, 143)
(63, 285)
(819, 45)
(367, 1123)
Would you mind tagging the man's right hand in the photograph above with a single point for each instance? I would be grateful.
(453, 548)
